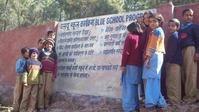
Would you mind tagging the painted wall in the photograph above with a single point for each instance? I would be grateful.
(89, 54)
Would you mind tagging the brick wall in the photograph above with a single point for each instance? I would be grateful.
(10, 44)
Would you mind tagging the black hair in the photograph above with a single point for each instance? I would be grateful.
(176, 21)
(24, 50)
(186, 10)
(49, 32)
(41, 40)
(134, 28)
(147, 12)
(159, 17)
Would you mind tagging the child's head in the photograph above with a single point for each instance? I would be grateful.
(41, 43)
(146, 17)
(155, 20)
(33, 53)
(49, 43)
(51, 34)
(134, 28)
(25, 52)
(187, 15)
(140, 20)
(174, 25)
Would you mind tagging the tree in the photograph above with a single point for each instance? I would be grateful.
(3, 13)
(86, 8)
(19, 13)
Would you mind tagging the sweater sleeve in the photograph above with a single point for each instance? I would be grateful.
(20, 66)
(155, 42)
(196, 36)
(126, 51)
(55, 70)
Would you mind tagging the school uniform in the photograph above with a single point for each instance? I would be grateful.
(189, 41)
(48, 60)
(28, 103)
(155, 49)
(131, 77)
(173, 68)
(18, 90)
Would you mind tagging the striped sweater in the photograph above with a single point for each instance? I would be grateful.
(33, 68)
(49, 61)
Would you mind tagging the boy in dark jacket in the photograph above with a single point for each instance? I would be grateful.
(173, 63)
(189, 41)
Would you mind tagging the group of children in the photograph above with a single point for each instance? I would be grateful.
(36, 71)
(142, 59)
(144, 54)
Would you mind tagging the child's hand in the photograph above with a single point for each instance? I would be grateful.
(147, 63)
(196, 57)
(53, 78)
(24, 78)
(25, 84)
(122, 68)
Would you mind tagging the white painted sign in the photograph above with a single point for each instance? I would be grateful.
(89, 54)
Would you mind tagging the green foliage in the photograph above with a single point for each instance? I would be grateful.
(19, 13)
(86, 8)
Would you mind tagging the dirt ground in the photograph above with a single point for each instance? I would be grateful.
(106, 107)
(64, 106)
(63, 102)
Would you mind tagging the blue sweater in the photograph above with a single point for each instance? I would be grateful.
(189, 35)
(173, 50)
(20, 65)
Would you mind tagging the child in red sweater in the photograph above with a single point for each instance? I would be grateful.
(131, 68)
(49, 62)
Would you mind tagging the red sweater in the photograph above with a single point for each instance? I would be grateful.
(133, 50)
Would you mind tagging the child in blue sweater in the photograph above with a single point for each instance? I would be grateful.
(189, 41)
(20, 70)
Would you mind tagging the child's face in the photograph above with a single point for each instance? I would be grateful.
(146, 19)
(26, 54)
(140, 20)
(172, 27)
(34, 55)
(41, 44)
(153, 23)
(51, 35)
(188, 16)
(49, 46)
